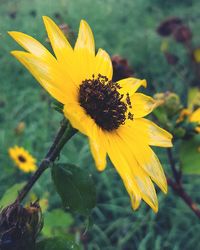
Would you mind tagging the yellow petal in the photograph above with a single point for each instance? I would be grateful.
(148, 132)
(197, 129)
(62, 50)
(183, 114)
(85, 51)
(78, 118)
(142, 179)
(142, 105)
(123, 168)
(59, 43)
(147, 188)
(31, 45)
(130, 85)
(85, 38)
(103, 64)
(48, 75)
(146, 158)
(131, 173)
(195, 116)
(149, 162)
(153, 168)
(98, 149)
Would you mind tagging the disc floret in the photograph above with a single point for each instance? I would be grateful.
(104, 103)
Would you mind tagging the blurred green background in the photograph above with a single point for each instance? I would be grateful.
(127, 28)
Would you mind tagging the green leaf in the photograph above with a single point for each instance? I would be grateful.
(75, 187)
(57, 243)
(56, 222)
(190, 155)
(11, 194)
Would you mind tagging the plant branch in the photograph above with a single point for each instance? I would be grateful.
(178, 188)
(176, 173)
(63, 135)
(57, 137)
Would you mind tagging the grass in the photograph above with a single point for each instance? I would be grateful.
(122, 27)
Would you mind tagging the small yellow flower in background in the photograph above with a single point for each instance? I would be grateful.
(193, 110)
(195, 117)
(193, 98)
(164, 45)
(22, 159)
(184, 114)
(20, 128)
(109, 113)
(196, 54)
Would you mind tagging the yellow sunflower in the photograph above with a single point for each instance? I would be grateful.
(192, 112)
(109, 113)
(23, 159)
(193, 116)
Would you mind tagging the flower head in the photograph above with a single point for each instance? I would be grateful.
(19, 226)
(109, 113)
(168, 26)
(23, 159)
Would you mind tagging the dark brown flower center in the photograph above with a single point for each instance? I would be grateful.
(21, 158)
(102, 101)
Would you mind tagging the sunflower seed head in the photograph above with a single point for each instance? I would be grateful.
(19, 226)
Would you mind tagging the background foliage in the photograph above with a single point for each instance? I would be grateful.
(121, 27)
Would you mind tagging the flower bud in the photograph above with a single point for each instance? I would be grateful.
(171, 58)
(179, 132)
(167, 27)
(183, 34)
(173, 103)
(20, 128)
(19, 226)
(121, 68)
(170, 101)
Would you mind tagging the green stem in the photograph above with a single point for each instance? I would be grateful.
(64, 134)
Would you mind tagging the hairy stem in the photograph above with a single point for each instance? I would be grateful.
(63, 135)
